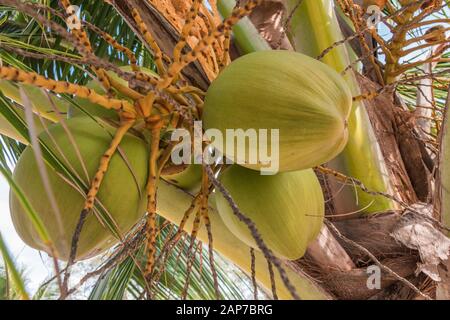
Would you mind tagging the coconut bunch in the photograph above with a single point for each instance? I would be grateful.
(304, 99)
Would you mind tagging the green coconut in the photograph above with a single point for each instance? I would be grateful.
(307, 101)
(122, 192)
(287, 208)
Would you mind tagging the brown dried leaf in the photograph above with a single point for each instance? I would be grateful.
(418, 233)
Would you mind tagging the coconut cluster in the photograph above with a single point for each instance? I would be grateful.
(308, 102)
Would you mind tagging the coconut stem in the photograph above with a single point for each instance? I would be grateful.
(272, 280)
(253, 273)
(32, 78)
(83, 40)
(151, 202)
(157, 53)
(73, 252)
(104, 163)
(205, 190)
(206, 42)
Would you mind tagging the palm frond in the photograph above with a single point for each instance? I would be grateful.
(126, 280)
